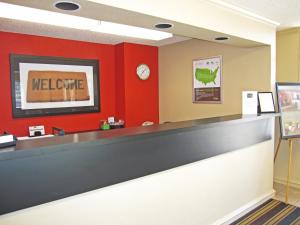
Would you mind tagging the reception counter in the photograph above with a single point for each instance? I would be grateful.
(230, 155)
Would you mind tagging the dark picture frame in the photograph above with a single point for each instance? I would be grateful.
(18, 112)
(288, 101)
(261, 103)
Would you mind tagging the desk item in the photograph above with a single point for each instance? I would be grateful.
(111, 119)
(147, 123)
(111, 123)
(266, 102)
(117, 124)
(36, 131)
(7, 140)
(58, 131)
(104, 125)
(250, 102)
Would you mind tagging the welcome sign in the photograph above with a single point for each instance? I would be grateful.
(57, 86)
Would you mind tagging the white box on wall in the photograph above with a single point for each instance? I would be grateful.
(250, 102)
(36, 131)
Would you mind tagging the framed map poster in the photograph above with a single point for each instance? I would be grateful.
(288, 98)
(207, 80)
(44, 86)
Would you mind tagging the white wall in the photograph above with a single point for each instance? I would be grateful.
(204, 14)
(196, 194)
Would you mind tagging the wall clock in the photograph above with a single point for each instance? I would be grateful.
(143, 71)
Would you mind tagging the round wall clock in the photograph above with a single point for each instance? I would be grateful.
(143, 71)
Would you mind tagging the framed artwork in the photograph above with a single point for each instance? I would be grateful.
(266, 102)
(207, 80)
(44, 86)
(288, 98)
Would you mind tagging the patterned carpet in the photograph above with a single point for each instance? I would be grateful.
(271, 212)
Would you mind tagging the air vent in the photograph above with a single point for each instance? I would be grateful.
(221, 38)
(67, 5)
(163, 25)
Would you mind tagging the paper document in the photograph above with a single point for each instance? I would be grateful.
(250, 102)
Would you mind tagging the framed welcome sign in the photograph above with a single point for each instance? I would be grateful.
(44, 86)
(207, 80)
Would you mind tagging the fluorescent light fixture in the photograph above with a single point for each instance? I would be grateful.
(23, 13)
(28, 14)
(131, 31)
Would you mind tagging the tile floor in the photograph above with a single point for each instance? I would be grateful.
(294, 194)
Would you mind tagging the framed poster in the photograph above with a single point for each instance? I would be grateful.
(288, 98)
(266, 102)
(43, 86)
(207, 80)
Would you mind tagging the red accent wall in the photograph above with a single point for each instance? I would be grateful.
(138, 101)
(120, 82)
(141, 96)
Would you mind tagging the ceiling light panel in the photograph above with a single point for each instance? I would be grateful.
(131, 31)
(17, 12)
(28, 14)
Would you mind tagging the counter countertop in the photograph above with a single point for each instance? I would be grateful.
(134, 131)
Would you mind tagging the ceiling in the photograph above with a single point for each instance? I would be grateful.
(23, 27)
(284, 12)
(108, 13)
(74, 34)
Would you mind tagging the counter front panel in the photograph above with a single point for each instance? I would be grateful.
(44, 174)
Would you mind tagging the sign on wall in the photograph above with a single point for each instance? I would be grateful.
(56, 86)
(207, 80)
(51, 85)
(288, 98)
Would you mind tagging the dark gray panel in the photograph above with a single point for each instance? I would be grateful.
(26, 145)
(60, 171)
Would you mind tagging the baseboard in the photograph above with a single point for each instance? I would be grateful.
(283, 181)
(231, 217)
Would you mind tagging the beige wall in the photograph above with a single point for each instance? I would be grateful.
(288, 62)
(243, 69)
(288, 55)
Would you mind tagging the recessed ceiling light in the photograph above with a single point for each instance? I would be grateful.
(28, 14)
(221, 38)
(163, 25)
(67, 5)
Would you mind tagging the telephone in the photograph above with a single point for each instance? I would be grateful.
(147, 123)
(7, 140)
